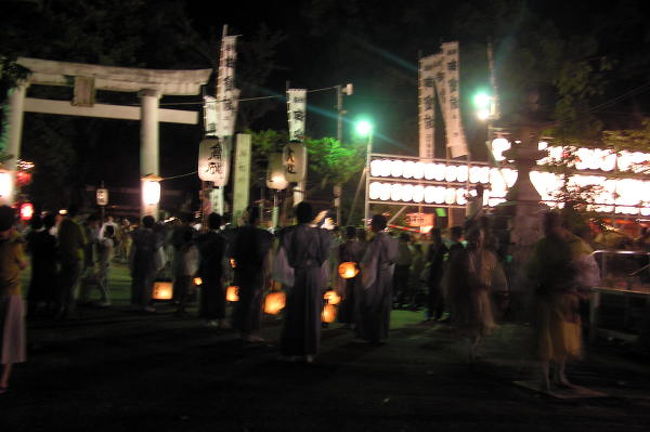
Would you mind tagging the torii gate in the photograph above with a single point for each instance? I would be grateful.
(150, 85)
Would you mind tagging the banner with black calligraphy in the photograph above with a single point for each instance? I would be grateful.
(296, 113)
(426, 108)
(450, 86)
(214, 161)
(227, 94)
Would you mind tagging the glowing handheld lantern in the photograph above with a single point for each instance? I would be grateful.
(162, 290)
(348, 269)
(274, 302)
(329, 313)
(232, 293)
(332, 297)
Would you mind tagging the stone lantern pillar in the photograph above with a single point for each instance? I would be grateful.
(521, 218)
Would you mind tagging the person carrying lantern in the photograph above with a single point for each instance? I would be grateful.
(376, 298)
(307, 248)
(251, 251)
(351, 251)
(212, 246)
(12, 322)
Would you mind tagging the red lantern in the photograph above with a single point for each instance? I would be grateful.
(348, 270)
(274, 302)
(332, 297)
(329, 313)
(26, 211)
(232, 293)
(23, 178)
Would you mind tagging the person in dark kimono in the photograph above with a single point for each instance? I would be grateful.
(307, 249)
(43, 285)
(250, 250)
(212, 245)
(435, 298)
(377, 268)
(350, 251)
(142, 264)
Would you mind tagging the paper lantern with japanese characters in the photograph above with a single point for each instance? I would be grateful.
(274, 302)
(214, 161)
(348, 269)
(162, 290)
(332, 297)
(294, 160)
(232, 293)
(329, 313)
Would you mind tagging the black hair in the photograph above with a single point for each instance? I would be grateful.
(304, 212)
(49, 220)
(214, 221)
(253, 214)
(379, 221)
(350, 232)
(7, 217)
(148, 221)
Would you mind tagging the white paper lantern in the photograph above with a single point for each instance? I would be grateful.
(275, 178)
(294, 160)
(214, 161)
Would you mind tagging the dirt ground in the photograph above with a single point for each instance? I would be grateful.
(114, 369)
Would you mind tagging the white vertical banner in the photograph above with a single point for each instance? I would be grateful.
(426, 108)
(242, 176)
(227, 94)
(296, 113)
(456, 143)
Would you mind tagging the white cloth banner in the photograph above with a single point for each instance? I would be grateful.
(227, 94)
(294, 159)
(447, 79)
(297, 113)
(427, 112)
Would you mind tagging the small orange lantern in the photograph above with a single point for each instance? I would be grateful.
(348, 270)
(329, 313)
(233, 263)
(162, 290)
(232, 293)
(274, 302)
(198, 281)
(332, 297)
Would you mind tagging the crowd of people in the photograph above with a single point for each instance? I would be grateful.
(457, 279)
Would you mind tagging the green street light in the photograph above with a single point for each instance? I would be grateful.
(363, 128)
(484, 104)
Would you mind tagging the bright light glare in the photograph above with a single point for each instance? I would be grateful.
(364, 128)
(150, 192)
(482, 100)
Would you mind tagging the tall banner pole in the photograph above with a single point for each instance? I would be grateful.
(295, 153)
(426, 107)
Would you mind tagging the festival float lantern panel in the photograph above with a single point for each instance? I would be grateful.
(348, 270)
(162, 290)
(274, 302)
(232, 293)
(6, 184)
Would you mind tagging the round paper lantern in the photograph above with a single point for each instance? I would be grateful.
(233, 263)
(332, 297)
(162, 290)
(198, 281)
(329, 313)
(274, 302)
(348, 269)
(232, 293)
